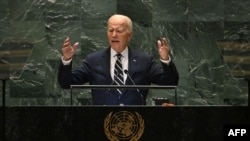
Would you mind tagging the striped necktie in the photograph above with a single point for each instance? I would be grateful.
(118, 73)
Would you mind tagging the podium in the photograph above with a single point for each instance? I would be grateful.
(108, 123)
(89, 123)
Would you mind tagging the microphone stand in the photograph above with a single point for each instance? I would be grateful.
(126, 71)
(71, 97)
(247, 78)
(3, 105)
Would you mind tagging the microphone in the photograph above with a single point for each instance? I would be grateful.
(126, 72)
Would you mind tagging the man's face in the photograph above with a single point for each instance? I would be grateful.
(118, 33)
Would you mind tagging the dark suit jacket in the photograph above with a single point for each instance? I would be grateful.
(95, 69)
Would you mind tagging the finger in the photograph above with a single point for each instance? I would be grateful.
(164, 41)
(66, 44)
(66, 40)
(168, 104)
(159, 43)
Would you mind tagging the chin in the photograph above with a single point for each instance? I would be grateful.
(116, 47)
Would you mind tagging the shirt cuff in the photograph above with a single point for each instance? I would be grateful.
(66, 62)
(166, 62)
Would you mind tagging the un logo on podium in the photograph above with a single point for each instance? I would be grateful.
(123, 126)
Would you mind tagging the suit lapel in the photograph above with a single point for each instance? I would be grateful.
(106, 64)
(132, 64)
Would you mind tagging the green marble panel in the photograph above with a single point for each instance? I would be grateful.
(200, 34)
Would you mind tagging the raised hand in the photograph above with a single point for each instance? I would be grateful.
(68, 50)
(163, 49)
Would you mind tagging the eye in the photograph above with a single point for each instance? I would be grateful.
(110, 30)
(120, 30)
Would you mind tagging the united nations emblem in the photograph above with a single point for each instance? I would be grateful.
(123, 126)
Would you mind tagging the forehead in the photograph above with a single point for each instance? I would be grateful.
(117, 21)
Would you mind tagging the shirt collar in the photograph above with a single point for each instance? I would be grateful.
(124, 53)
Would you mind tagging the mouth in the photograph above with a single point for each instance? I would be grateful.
(115, 41)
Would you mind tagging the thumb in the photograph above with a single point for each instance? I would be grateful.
(75, 45)
(159, 43)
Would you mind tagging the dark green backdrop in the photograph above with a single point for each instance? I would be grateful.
(209, 44)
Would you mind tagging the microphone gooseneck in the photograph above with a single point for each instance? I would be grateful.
(126, 72)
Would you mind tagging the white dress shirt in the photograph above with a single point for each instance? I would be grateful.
(124, 61)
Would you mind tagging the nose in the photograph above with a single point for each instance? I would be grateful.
(114, 34)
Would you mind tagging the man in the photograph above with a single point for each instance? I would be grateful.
(133, 67)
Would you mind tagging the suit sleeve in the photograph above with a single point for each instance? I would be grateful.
(171, 73)
(164, 74)
(64, 75)
(78, 76)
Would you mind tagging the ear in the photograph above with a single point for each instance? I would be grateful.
(130, 36)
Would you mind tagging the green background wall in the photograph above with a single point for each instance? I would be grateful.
(209, 43)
